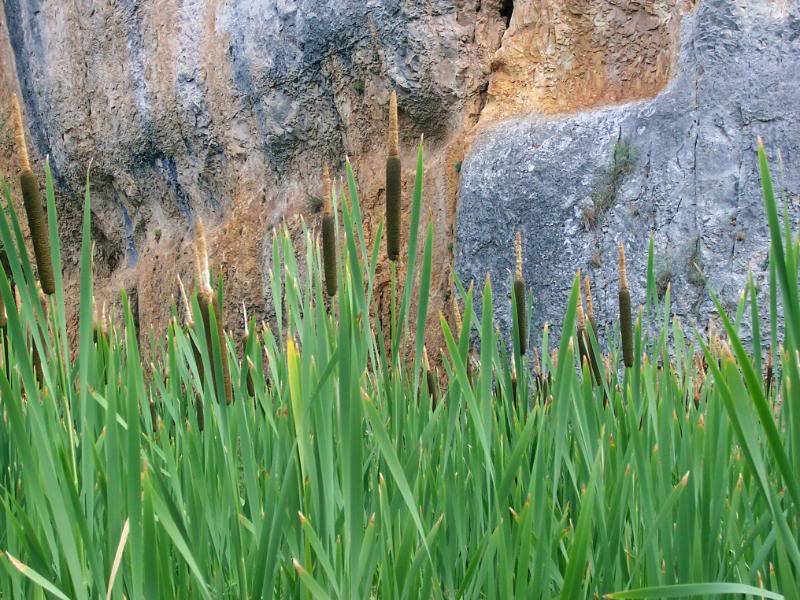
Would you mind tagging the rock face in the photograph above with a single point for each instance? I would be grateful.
(681, 165)
(227, 110)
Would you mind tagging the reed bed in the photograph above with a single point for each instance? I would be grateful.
(318, 461)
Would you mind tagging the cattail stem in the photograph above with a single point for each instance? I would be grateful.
(208, 304)
(582, 352)
(32, 200)
(625, 319)
(198, 357)
(431, 379)
(592, 327)
(251, 392)
(519, 297)
(198, 403)
(328, 236)
(393, 184)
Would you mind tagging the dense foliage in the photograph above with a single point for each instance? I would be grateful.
(346, 465)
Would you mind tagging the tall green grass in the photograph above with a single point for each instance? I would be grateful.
(338, 477)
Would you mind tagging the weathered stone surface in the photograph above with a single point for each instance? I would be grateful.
(566, 55)
(694, 181)
(227, 110)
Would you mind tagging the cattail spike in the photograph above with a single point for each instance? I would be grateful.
(37, 223)
(185, 299)
(31, 198)
(519, 298)
(393, 185)
(581, 317)
(22, 147)
(456, 315)
(328, 235)
(625, 319)
(201, 257)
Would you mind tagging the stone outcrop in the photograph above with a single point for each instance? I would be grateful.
(681, 165)
(227, 110)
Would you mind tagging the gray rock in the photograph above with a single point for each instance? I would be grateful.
(183, 105)
(685, 170)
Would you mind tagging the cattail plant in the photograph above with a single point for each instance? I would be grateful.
(208, 304)
(99, 322)
(769, 374)
(625, 320)
(592, 326)
(31, 198)
(393, 184)
(198, 358)
(251, 391)
(519, 297)
(328, 234)
(431, 379)
(581, 326)
(513, 381)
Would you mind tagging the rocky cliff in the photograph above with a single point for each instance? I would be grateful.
(680, 165)
(226, 111)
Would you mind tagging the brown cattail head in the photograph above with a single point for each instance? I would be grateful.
(518, 252)
(393, 185)
(625, 319)
(31, 198)
(37, 223)
(521, 311)
(394, 130)
(328, 235)
(581, 317)
(22, 147)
